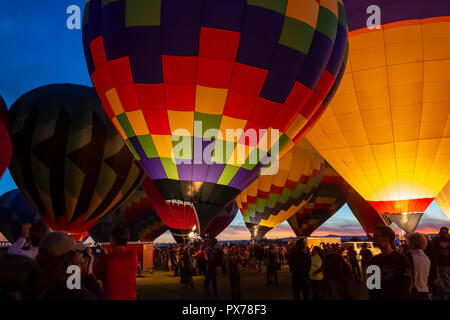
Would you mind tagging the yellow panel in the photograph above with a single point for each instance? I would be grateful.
(407, 95)
(181, 120)
(383, 151)
(406, 114)
(370, 58)
(229, 125)
(437, 49)
(163, 144)
(138, 123)
(210, 100)
(380, 135)
(430, 130)
(296, 126)
(407, 132)
(370, 79)
(114, 101)
(373, 99)
(403, 33)
(395, 52)
(376, 118)
(303, 10)
(404, 74)
(406, 149)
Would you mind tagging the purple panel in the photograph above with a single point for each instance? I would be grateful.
(137, 146)
(239, 178)
(339, 51)
(394, 11)
(184, 172)
(199, 172)
(154, 168)
(214, 172)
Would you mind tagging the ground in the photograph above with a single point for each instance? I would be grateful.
(162, 285)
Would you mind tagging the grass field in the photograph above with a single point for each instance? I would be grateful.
(162, 285)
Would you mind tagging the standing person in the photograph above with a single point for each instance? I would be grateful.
(353, 260)
(300, 264)
(366, 256)
(394, 266)
(28, 243)
(338, 282)
(271, 265)
(117, 270)
(201, 261)
(234, 264)
(186, 269)
(440, 265)
(259, 255)
(57, 252)
(315, 273)
(215, 257)
(420, 266)
(225, 259)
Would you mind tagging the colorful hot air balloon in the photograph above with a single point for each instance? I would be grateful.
(367, 216)
(68, 160)
(177, 74)
(222, 220)
(443, 200)
(15, 211)
(5, 140)
(139, 216)
(272, 199)
(330, 196)
(387, 131)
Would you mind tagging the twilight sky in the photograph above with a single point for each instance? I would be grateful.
(38, 49)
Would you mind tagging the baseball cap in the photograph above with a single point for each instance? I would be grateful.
(60, 243)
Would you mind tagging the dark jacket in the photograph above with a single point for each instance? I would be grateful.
(300, 263)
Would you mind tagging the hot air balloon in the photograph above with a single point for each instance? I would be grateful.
(443, 200)
(5, 140)
(176, 75)
(15, 211)
(387, 130)
(330, 196)
(272, 199)
(366, 215)
(68, 160)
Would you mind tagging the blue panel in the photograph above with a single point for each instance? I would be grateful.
(260, 33)
(144, 49)
(114, 33)
(318, 57)
(286, 65)
(224, 14)
(339, 51)
(180, 22)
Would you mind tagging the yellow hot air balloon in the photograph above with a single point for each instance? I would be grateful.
(272, 199)
(387, 131)
(443, 200)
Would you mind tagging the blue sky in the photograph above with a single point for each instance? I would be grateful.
(38, 49)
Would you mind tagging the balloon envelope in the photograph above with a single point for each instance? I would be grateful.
(68, 160)
(272, 199)
(5, 139)
(443, 200)
(387, 130)
(15, 211)
(174, 75)
(330, 196)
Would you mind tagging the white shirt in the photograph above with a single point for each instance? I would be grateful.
(421, 269)
(16, 248)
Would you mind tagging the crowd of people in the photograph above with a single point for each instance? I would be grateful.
(44, 265)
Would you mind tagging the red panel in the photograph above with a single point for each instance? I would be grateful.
(180, 70)
(291, 184)
(284, 118)
(101, 79)
(157, 121)
(128, 97)
(214, 73)
(401, 206)
(249, 126)
(276, 189)
(298, 96)
(248, 79)
(98, 52)
(120, 71)
(151, 96)
(180, 97)
(251, 200)
(219, 43)
(263, 194)
(264, 111)
(239, 105)
(324, 85)
(332, 180)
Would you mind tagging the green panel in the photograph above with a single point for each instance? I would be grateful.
(227, 174)
(126, 125)
(106, 2)
(133, 150)
(141, 13)
(148, 145)
(260, 204)
(170, 168)
(226, 152)
(297, 35)
(342, 15)
(185, 144)
(252, 209)
(285, 195)
(272, 200)
(208, 121)
(283, 141)
(327, 23)
(275, 5)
